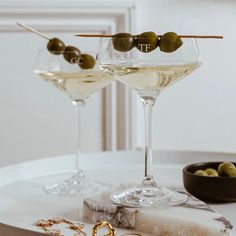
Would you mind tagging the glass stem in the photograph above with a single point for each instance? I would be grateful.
(148, 104)
(78, 106)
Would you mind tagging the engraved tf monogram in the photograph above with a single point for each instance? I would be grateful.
(144, 47)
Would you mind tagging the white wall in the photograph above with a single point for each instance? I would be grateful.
(197, 113)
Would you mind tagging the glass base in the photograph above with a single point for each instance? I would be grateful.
(77, 184)
(145, 196)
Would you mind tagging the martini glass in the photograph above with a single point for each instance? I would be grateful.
(148, 74)
(78, 84)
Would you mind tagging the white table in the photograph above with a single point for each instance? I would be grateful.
(22, 200)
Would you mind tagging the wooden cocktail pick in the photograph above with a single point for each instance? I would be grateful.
(33, 30)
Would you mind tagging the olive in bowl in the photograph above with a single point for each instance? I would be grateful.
(212, 188)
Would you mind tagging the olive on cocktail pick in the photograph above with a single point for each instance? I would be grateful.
(146, 42)
(56, 46)
(71, 54)
(86, 61)
(170, 42)
(123, 42)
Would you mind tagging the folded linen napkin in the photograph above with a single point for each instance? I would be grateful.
(193, 218)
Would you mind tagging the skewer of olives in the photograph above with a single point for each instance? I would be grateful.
(146, 42)
(70, 53)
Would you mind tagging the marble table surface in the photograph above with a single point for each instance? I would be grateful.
(23, 201)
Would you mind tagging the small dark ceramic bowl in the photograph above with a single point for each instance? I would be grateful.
(211, 189)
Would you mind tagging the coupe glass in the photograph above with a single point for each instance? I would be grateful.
(78, 84)
(148, 74)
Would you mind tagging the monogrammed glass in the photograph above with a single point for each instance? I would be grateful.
(78, 84)
(148, 73)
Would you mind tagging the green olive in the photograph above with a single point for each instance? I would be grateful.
(231, 172)
(146, 42)
(212, 172)
(72, 54)
(224, 167)
(56, 46)
(201, 173)
(86, 61)
(123, 42)
(170, 42)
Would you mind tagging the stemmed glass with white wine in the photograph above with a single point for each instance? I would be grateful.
(155, 64)
(75, 72)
